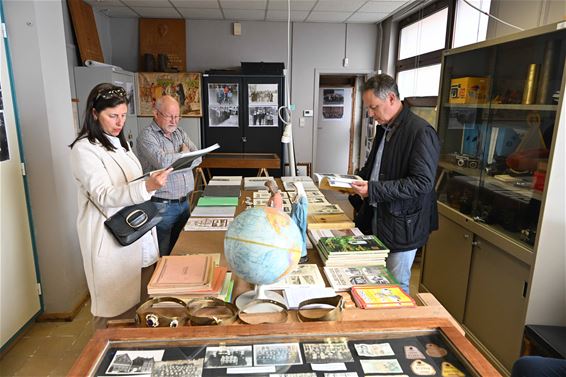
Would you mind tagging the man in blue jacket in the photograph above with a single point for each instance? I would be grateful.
(399, 174)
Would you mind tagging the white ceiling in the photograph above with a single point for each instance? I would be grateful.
(335, 11)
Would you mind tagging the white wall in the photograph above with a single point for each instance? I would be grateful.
(36, 39)
(526, 14)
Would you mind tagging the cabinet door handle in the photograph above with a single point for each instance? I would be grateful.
(467, 236)
(244, 139)
(475, 243)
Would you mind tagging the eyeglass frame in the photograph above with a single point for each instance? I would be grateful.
(167, 116)
(115, 92)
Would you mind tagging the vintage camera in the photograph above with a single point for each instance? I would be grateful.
(466, 161)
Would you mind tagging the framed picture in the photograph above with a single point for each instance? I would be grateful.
(184, 86)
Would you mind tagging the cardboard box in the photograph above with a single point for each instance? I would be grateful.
(469, 90)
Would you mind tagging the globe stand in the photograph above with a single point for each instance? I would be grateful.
(260, 293)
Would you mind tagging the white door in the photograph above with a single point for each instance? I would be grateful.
(333, 130)
(19, 297)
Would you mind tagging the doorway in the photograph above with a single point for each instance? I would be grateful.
(337, 125)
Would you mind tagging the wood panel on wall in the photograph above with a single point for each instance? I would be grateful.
(85, 31)
(164, 36)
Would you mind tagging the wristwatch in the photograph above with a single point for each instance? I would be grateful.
(334, 314)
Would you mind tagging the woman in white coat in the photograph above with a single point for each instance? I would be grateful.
(104, 166)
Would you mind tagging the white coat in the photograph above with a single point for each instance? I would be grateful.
(113, 272)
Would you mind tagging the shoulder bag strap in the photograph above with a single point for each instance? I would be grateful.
(96, 205)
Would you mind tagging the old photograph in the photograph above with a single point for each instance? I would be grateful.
(223, 94)
(342, 374)
(381, 366)
(262, 94)
(374, 350)
(230, 356)
(292, 375)
(332, 112)
(277, 354)
(134, 362)
(223, 116)
(333, 97)
(324, 353)
(185, 368)
(4, 150)
(263, 116)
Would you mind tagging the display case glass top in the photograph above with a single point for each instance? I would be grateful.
(314, 349)
(498, 111)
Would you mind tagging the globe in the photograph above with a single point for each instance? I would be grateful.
(262, 245)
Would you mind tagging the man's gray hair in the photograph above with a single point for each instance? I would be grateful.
(381, 85)
(160, 100)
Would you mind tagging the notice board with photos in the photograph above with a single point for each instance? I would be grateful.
(330, 349)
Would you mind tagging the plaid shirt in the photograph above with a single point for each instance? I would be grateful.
(155, 151)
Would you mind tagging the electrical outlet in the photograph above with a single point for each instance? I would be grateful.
(345, 62)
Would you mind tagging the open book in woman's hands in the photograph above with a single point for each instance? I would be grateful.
(185, 160)
(338, 182)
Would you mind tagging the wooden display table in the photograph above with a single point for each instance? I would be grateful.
(189, 343)
(260, 161)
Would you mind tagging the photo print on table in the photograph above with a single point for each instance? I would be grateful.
(131, 362)
(277, 354)
(227, 357)
(342, 374)
(374, 349)
(325, 353)
(185, 368)
(381, 366)
(292, 375)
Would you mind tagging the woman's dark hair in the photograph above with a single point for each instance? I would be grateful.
(102, 97)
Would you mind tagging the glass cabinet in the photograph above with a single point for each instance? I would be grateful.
(497, 113)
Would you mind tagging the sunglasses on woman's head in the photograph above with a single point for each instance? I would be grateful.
(111, 93)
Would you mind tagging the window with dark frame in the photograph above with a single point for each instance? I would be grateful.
(422, 37)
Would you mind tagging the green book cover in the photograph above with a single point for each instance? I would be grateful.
(210, 201)
(351, 244)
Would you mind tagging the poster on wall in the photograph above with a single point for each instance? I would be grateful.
(4, 150)
(185, 87)
(333, 104)
(223, 107)
(262, 104)
(129, 88)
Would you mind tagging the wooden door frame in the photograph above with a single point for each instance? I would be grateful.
(325, 72)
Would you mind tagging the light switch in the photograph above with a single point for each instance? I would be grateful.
(307, 113)
(301, 122)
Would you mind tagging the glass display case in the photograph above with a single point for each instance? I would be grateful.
(413, 347)
(497, 115)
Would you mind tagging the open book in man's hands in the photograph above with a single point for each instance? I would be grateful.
(339, 182)
(185, 160)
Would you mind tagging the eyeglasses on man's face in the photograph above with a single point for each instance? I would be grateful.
(173, 118)
(112, 93)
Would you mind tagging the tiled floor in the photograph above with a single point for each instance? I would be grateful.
(50, 348)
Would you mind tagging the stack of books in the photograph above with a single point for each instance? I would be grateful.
(381, 297)
(352, 251)
(190, 276)
(219, 200)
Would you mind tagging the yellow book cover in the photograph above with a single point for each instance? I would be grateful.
(383, 296)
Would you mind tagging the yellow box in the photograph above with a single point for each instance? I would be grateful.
(469, 90)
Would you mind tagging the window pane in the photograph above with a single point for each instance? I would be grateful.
(470, 26)
(419, 82)
(426, 35)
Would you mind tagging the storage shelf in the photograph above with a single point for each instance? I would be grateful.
(502, 106)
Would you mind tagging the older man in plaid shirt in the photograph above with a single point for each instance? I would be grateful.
(159, 145)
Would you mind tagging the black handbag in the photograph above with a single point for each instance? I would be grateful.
(131, 222)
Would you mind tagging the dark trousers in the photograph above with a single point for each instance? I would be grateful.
(175, 216)
(536, 366)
